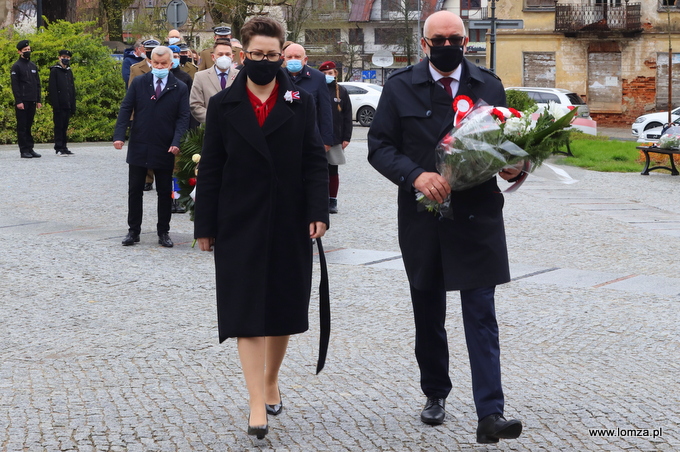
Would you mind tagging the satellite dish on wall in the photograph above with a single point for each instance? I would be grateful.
(383, 58)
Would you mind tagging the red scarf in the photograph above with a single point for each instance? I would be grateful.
(262, 110)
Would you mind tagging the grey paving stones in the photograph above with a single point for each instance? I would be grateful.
(111, 348)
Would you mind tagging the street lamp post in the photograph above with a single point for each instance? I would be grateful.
(38, 10)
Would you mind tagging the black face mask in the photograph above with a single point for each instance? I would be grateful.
(261, 72)
(66, 61)
(148, 54)
(183, 59)
(446, 58)
(26, 54)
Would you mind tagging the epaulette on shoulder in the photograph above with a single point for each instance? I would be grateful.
(489, 71)
(400, 70)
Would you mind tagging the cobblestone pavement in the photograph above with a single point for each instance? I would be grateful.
(111, 348)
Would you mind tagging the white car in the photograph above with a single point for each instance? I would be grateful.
(652, 135)
(560, 96)
(651, 121)
(364, 98)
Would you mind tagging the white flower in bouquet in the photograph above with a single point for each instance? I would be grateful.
(669, 140)
(557, 110)
(196, 158)
(515, 126)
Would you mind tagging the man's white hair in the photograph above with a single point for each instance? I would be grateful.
(161, 50)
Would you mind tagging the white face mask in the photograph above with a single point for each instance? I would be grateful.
(173, 40)
(223, 62)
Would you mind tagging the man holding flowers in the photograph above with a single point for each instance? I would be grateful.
(467, 253)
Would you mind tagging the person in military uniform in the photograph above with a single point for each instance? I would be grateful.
(62, 97)
(187, 66)
(467, 253)
(143, 67)
(27, 96)
(221, 32)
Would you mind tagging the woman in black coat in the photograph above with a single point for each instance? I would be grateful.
(342, 130)
(262, 195)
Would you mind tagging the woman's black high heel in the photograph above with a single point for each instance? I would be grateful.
(257, 430)
(260, 431)
(276, 408)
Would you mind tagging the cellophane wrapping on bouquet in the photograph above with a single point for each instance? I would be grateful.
(487, 139)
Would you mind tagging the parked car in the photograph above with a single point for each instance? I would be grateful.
(364, 98)
(560, 96)
(652, 121)
(652, 135)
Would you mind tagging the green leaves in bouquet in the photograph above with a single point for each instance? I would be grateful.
(545, 136)
(185, 167)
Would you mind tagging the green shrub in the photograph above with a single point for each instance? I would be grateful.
(99, 85)
(520, 100)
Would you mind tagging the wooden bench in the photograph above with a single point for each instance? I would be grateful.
(656, 150)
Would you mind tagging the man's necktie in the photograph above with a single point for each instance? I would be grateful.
(158, 88)
(223, 79)
(446, 81)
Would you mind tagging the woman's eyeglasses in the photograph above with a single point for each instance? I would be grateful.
(259, 56)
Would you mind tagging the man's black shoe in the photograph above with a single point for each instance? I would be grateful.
(164, 240)
(495, 427)
(26, 155)
(34, 154)
(177, 207)
(130, 239)
(433, 413)
(148, 186)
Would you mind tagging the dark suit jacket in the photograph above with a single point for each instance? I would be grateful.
(159, 123)
(413, 115)
(258, 189)
(314, 82)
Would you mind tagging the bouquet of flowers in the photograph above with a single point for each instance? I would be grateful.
(670, 139)
(485, 139)
(186, 167)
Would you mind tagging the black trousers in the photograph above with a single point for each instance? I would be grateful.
(137, 177)
(481, 335)
(61, 119)
(24, 126)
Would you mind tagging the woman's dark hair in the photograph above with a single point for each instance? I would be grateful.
(262, 26)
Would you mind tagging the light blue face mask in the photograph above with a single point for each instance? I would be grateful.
(160, 73)
(294, 66)
(330, 79)
(175, 63)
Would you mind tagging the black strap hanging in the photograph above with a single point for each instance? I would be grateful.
(324, 310)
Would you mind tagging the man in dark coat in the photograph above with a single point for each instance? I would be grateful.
(161, 106)
(27, 98)
(468, 253)
(62, 92)
(132, 56)
(314, 82)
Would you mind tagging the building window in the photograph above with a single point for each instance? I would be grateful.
(389, 36)
(539, 4)
(356, 36)
(322, 36)
(673, 4)
(539, 69)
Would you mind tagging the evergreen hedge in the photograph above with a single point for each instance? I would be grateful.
(99, 84)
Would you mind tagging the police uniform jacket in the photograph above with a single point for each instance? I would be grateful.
(25, 82)
(62, 89)
(159, 123)
(413, 115)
